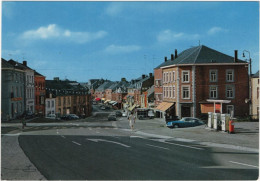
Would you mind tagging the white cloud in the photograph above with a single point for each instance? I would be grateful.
(52, 31)
(215, 30)
(170, 36)
(115, 49)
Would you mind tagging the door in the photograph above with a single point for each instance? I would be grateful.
(185, 111)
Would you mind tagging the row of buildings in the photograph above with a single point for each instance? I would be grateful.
(24, 90)
(189, 84)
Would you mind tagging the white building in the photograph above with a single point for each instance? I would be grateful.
(50, 105)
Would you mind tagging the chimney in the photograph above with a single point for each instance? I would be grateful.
(150, 74)
(172, 57)
(176, 55)
(165, 59)
(25, 63)
(143, 76)
(235, 56)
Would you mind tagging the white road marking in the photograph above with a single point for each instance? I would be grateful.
(157, 147)
(63, 136)
(163, 141)
(243, 164)
(97, 140)
(16, 134)
(76, 143)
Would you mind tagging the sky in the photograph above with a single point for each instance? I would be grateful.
(110, 40)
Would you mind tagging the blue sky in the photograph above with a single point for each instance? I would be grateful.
(110, 40)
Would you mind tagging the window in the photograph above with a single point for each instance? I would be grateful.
(170, 91)
(213, 92)
(230, 75)
(166, 77)
(257, 93)
(173, 91)
(185, 76)
(59, 101)
(230, 110)
(173, 76)
(48, 104)
(52, 103)
(185, 92)
(170, 77)
(213, 74)
(230, 91)
(164, 94)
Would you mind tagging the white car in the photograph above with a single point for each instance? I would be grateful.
(124, 114)
(51, 116)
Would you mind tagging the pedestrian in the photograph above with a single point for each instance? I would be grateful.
(23, 122)
(131, 119)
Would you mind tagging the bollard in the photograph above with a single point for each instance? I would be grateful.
(231, 126)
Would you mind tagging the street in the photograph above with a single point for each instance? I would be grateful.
(102, 150)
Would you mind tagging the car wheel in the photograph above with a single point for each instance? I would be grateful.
(176, 126)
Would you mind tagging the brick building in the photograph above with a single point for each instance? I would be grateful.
(199, 74)
(255, 96)
(40, 92)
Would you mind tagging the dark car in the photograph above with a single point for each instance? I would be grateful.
(111, 117)
(184, 122)
(118, 113)
(65, 117)
(29, 115)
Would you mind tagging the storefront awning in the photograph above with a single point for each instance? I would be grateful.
(131, 108)
(98, 99)
(103, 99)
(107, 101)
(164, 106)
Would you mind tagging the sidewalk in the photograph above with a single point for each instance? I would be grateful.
(246, 134)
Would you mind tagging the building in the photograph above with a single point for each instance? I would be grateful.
(40, 92)
(199, 74)
(70, 97)
(100, 92)
(50, 103)
(158, 86)
(255, 96)
(29, 85)
(12, 94)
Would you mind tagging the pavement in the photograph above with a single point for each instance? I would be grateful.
(245, 136)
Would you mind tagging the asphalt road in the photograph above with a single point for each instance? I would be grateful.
(105, 152)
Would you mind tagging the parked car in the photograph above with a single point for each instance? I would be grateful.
(73, 116)
(69, 117)
(150, 114)
(52, 116)
(111, 117)
(118, 113)
(184, 122)
(29, 115)
(174, 118)
(124, 114)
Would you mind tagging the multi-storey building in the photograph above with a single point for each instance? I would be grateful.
(70, 97)
(200, 74)
(29, 85)
(40, 92)
(12, 94)
(50, 102)
(255, 96)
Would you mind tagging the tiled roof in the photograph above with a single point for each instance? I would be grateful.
(19, 65)
(38, 74)
(201, 55)
(104, 86)
(256, 75)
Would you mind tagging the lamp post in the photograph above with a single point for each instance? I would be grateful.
(250, 73)
(250, 61)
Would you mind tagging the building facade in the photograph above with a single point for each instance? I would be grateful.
(200, 74)
(255, 96)
(12, 94)
(40, 92)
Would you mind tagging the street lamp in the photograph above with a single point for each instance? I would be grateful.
(250, 88)
(250, 61)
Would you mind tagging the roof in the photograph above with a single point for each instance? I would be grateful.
(201, 55)
(38, 74)
(104, 86)
(19, 65)
(256, 75)
(5, 64)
